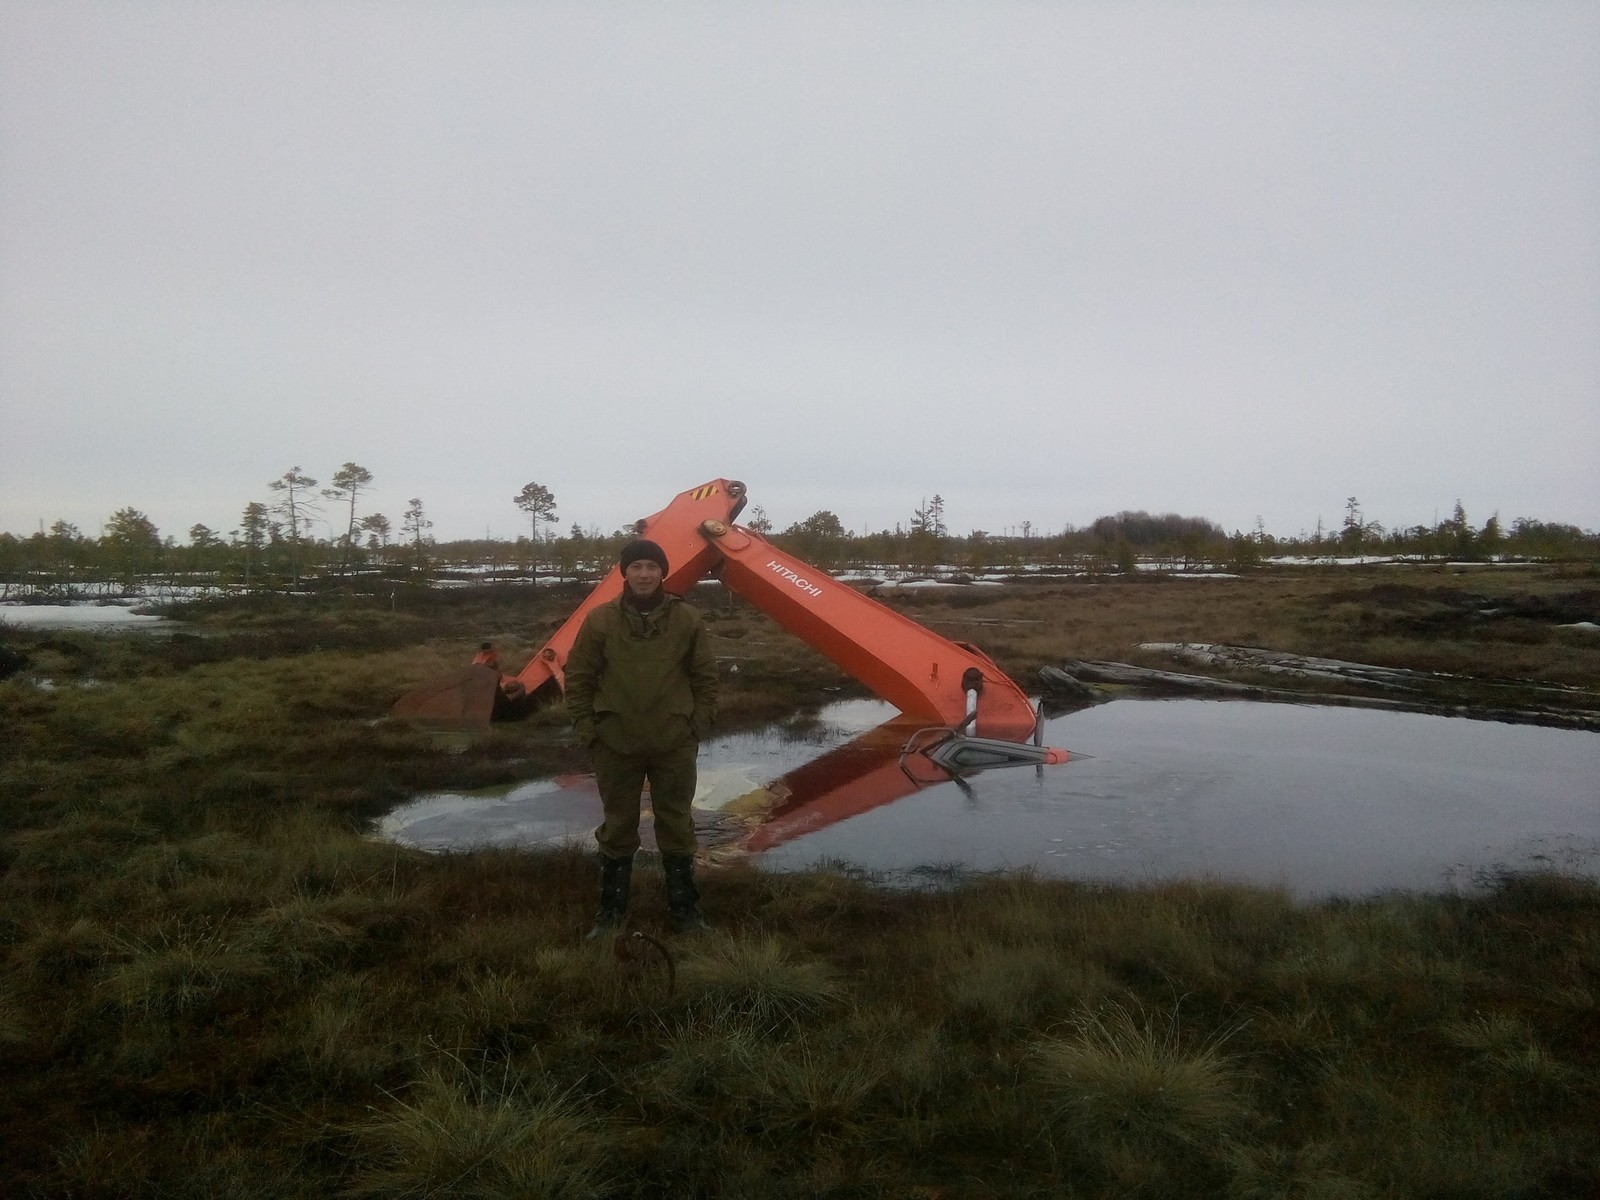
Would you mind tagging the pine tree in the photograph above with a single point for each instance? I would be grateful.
(349, 481)
(253, 530)
(296, 508)
(132, 542)
(414, 524)
(540, 504)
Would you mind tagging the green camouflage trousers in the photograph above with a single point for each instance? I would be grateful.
(621, 779)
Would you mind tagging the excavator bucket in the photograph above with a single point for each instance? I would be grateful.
(463, 701)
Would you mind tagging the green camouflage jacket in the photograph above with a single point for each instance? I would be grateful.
(642, 682)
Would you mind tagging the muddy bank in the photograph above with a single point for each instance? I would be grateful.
(1453, 612)
(1253, 673)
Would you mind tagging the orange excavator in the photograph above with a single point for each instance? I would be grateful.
(974, 716)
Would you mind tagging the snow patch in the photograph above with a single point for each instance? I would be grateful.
(76, 616)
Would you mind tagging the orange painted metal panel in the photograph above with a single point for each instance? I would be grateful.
(918, 671)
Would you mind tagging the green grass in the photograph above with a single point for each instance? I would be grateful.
(213, 982)
(462, 1134)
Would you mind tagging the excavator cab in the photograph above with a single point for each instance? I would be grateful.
(976, 718)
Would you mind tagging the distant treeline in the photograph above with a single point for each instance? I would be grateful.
(275, 553)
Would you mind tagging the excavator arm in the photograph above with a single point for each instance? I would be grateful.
(918, 671)
(690, 558)
(928, 677)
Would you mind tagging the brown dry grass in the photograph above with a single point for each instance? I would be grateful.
(211, 984)
(1494, 626)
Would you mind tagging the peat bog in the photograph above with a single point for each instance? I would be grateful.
(216, 983)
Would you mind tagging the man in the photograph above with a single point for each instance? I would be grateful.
(641, 686)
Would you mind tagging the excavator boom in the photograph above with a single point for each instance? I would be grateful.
(921, 673)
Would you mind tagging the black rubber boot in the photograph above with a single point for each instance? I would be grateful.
(683, 898)
(616, 877)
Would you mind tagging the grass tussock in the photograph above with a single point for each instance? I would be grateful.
(1024, 1036)
(1132, 1079)
(761, 981)
(214, 982)
(446, 1138)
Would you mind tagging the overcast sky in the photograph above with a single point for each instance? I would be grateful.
(1047, 260)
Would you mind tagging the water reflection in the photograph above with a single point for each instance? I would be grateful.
(1319, 800)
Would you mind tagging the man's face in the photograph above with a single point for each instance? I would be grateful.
(643, 578)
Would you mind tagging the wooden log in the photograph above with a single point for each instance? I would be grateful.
(1059, 683)
(1075, 677)
(1301, 666)
(1128, 675)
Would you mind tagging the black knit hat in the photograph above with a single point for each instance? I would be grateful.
(643, 548)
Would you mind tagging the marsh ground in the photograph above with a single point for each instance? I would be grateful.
(215, 984)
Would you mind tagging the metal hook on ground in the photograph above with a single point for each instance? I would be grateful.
(626, 951)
